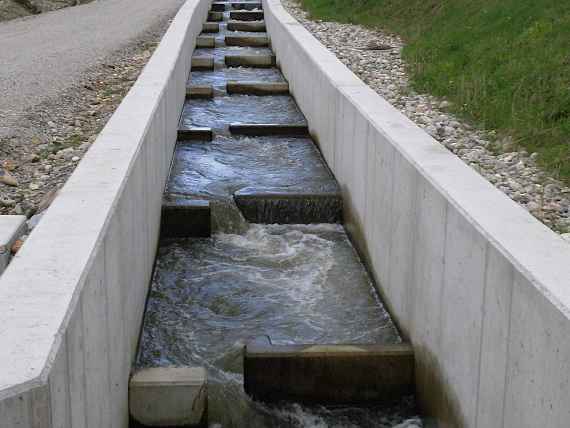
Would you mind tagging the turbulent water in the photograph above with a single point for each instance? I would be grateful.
(296, 284)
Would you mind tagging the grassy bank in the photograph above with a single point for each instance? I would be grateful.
(505, 64)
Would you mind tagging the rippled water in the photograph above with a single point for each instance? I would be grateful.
(296, 284)
(219, 112)
(218, 78)
(219, 168)
(219, 53)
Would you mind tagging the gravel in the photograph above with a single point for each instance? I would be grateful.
(40, 150)
(375, 57)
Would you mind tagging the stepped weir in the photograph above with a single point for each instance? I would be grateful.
(257, 288)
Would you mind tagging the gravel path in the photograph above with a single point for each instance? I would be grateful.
(44, 54)
(62, 75)
(376, 58)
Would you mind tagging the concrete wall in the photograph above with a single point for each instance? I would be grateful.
(480, 287)
(72, 300)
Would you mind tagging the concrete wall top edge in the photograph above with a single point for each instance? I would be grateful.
(537, 252)
(39, 289)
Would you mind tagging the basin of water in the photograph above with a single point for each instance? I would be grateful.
(296, 284)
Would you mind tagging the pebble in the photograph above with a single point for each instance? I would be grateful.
(497, 159)
(50, 143)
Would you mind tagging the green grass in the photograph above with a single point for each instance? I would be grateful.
(504, 64)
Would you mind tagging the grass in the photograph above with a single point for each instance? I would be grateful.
(504, 64)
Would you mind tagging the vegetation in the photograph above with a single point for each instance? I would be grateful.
(505, 64)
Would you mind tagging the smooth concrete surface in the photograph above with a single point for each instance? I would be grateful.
(73, 297)
(11, 228)
(480, 287)
(328, 373)
(169, 397)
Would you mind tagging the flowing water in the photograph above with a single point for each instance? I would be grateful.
(299, 284)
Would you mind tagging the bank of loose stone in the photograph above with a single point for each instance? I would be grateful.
(376, 58)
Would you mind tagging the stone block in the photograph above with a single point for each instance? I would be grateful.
(168, 397)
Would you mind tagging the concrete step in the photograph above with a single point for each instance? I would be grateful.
(256, 41)
(211, 27)
(195, 134)
(257, 61)
(202, 63)
(185, 218)
(328, 373)
(254, 27)
(199, 91)
(205, 42)
(264, 129)
(257, 88)
(285, 206)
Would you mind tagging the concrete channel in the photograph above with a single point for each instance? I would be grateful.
(286, 199)
(278, 264)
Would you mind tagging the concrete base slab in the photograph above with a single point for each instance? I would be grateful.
(256, 41)
(283, 206)
(260, 61)
(328, 373)
(254, 27)
(211, 27)
(263, 129)
(198, 134)
(202, 63)
(205, 42)
(169, 397)
(11, 228)
(246, 15)
(200, 91)
(257, 88)
(185, 218)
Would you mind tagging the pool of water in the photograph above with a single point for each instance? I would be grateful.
(296, 284)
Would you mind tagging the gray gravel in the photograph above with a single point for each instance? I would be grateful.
(42, 55)
(376, 58)
(62, 96)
